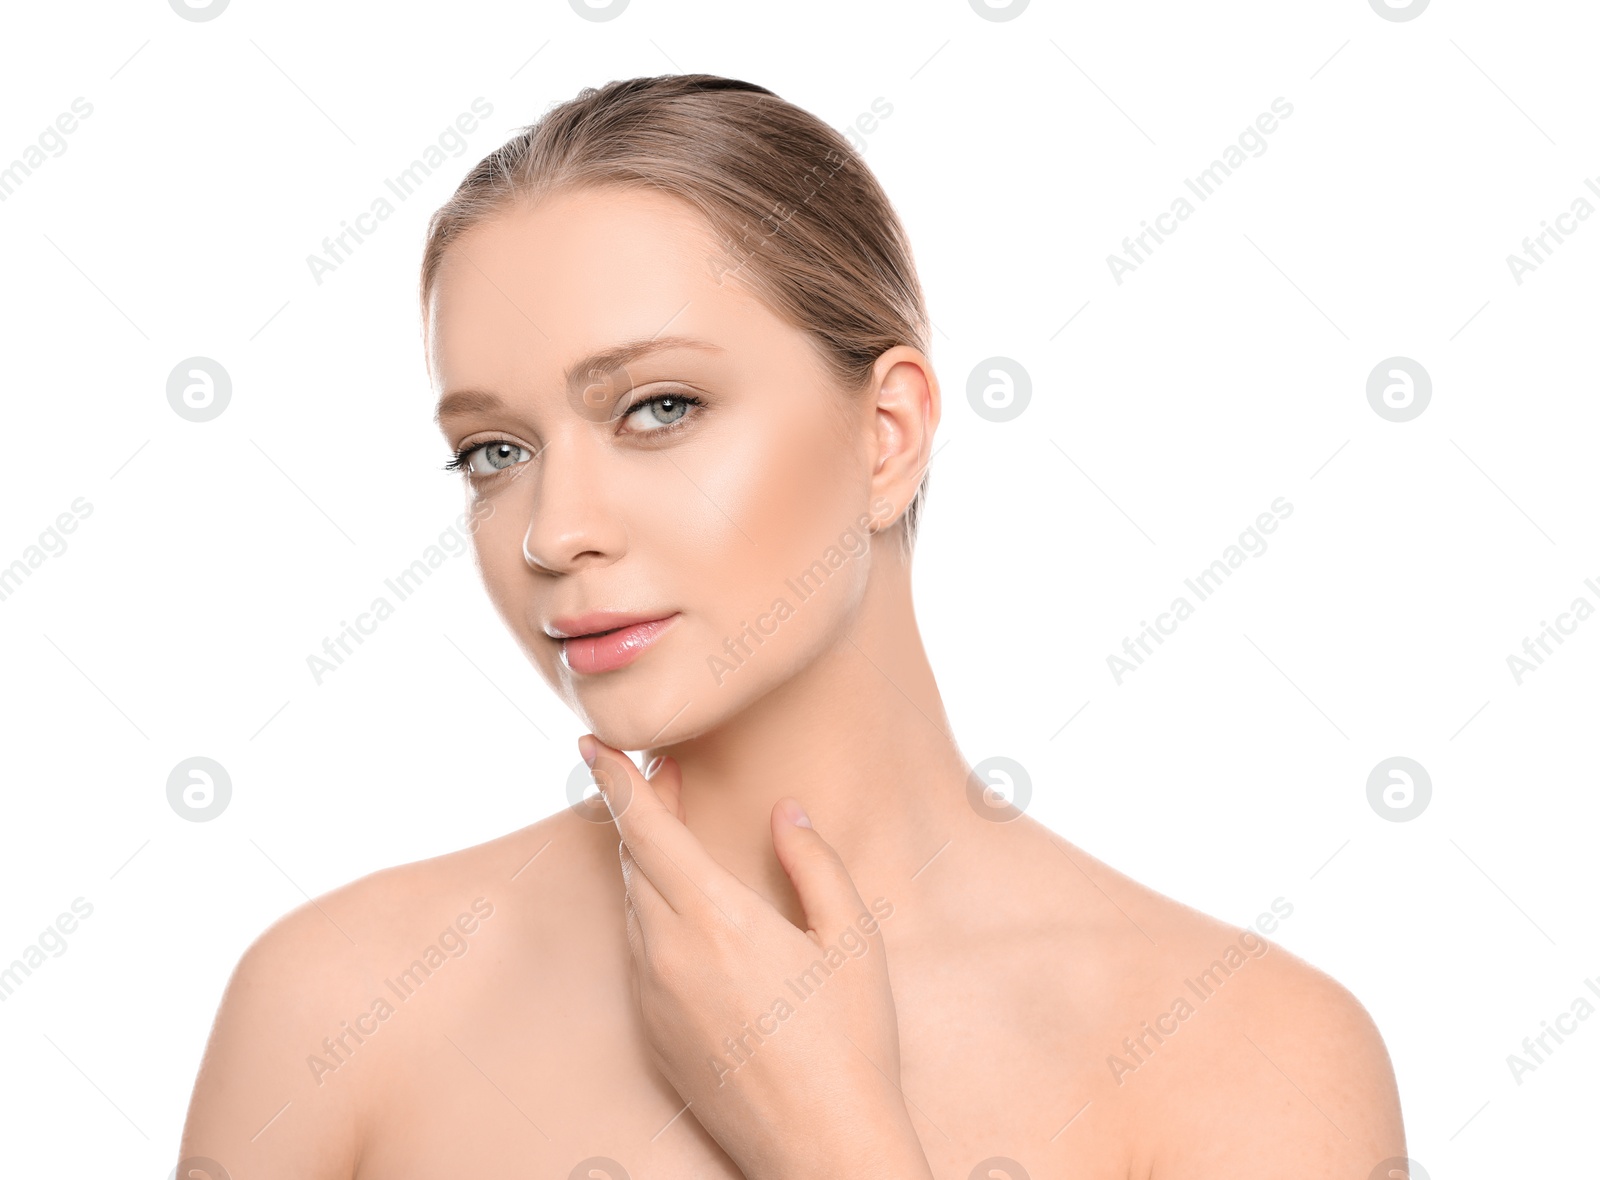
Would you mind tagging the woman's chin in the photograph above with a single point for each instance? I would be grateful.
(632, 726)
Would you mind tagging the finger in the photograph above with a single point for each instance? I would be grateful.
(823, 884)
(635, 928)
(636, 949)
(670, 855)
(646, 913)
(643, 897)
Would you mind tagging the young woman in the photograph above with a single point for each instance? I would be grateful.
(682, 359)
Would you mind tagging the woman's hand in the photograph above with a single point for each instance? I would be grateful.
(783, 1041)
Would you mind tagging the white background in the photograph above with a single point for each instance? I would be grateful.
(1228, 370)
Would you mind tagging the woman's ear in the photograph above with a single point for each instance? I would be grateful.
(905, 393)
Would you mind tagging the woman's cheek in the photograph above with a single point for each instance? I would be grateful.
(497, 545)
(783, 483)
(780, 614)
(802, 501)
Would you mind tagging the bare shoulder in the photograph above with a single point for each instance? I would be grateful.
(1250, 1060)
(1292, 1071)
(293, 1068)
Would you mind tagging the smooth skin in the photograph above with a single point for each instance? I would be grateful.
(823, 1099)
(619, 1005)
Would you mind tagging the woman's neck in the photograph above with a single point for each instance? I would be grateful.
(860, 738)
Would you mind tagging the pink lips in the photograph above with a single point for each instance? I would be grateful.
(613, 649)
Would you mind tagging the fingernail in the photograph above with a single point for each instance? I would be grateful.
(797, 815)
(653, 765)
(588, 748)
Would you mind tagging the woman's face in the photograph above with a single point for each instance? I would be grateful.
(643, 436)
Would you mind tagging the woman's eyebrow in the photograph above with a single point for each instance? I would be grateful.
(470, 401)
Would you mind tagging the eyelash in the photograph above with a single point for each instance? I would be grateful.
(462, 457)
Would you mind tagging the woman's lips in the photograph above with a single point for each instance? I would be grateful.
(614, 649)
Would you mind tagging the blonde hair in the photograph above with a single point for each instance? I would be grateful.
(803, 221)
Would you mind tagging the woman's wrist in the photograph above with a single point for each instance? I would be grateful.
(881, 1145)
(901, 1159)
(898, 1160)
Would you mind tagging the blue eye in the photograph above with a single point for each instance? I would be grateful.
(665, 410)
(659, 414)
(488, 458)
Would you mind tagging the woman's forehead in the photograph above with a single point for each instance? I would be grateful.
(538, 289)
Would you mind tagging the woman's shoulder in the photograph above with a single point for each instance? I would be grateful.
(381, 914)
(1212, 1022)
(315, 991)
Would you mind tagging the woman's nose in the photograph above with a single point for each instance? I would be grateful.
(572, 520)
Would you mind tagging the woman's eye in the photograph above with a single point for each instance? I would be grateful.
(658, 413)
(495, 456)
